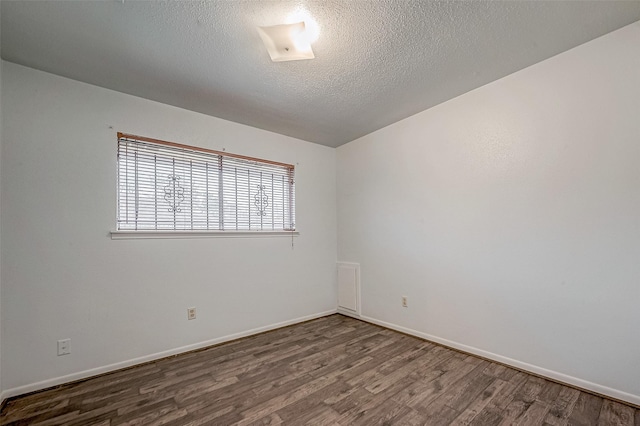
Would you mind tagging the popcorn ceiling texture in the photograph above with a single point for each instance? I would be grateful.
(377, 62)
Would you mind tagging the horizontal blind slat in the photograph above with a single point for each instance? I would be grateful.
(168, 187)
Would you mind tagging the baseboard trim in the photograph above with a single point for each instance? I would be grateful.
(86, 374)
(348, 313)
(3, 401)
(555, 376)
(591, 387)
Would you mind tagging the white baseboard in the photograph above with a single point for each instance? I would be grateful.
(594, 387)
(554, 375)
(8, 393)
(348, 313)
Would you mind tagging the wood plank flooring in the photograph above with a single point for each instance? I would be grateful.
(330, 371)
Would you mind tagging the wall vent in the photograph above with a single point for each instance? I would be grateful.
(349, 287)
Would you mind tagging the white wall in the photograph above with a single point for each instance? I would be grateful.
(510, 218)
(1, 388)
(62, 275)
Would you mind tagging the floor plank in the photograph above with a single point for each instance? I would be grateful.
(333, 371)
(614, 413)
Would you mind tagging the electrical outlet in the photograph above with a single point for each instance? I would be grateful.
(191, 313)
(404, 302)
(64, 347)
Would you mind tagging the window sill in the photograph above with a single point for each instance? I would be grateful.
(135, 235)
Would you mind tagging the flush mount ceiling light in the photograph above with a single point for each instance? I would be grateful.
(287, 42)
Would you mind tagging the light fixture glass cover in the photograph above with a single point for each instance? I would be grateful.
(287, 42)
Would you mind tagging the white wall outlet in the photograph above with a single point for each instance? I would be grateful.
(64, 347)
(404, 302)
(191, 313)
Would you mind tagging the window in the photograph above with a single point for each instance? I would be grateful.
(167, 186)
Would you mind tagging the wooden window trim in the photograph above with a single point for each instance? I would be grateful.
(195, 148)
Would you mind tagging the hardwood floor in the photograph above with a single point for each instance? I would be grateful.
(330, 371)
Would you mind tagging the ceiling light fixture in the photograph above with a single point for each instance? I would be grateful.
(287, 42)
(311, 27)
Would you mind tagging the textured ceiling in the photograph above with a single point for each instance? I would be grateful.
(377, 62)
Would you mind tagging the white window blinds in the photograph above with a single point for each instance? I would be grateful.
(168, 186)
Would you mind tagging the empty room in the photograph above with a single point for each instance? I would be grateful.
(323, 212)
